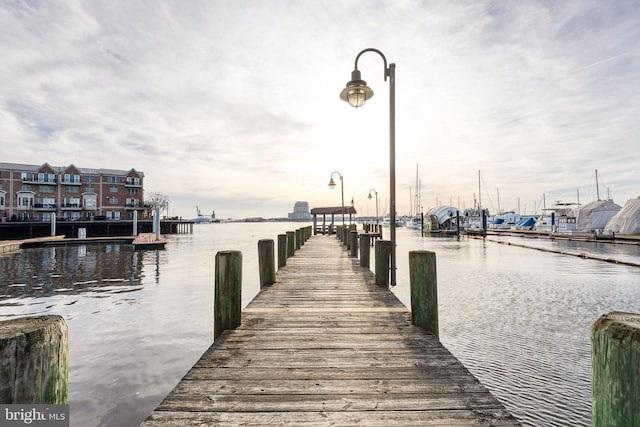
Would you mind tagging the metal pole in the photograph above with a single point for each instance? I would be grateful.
(392, 167)
(377, 215)
(342, 189)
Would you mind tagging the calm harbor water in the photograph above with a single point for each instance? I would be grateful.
(518, 318)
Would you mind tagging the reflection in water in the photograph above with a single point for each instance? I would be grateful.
(69, 270)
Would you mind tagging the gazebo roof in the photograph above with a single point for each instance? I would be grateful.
(339, 210)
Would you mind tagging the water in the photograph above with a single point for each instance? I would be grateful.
(518, 318)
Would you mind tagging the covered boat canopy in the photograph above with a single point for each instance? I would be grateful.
(443, 213)
(525, 223)
(595, 215)
(627, 221)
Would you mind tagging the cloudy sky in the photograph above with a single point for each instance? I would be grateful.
(233, 105)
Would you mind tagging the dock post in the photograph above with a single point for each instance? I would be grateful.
(615, 370)
(364, 250)
(282, 250)
(266, 262)
(353, 243)
(383, 257)
(34, 360)
(424, 290)
(228, 292)
(291, 244)
(298, 239)
(135, 224)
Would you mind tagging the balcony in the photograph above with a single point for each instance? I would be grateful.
(37, 181)
(130, 183)
(69, 182)
(134, 206)
(43, 207)
(70, 207)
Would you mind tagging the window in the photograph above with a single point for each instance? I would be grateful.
(27, 176)
(46, 189)
(46, 202)
(46, 177)
(113, 179)
(113, 215)
(132, 203)
(71, 202)
(25, 200)
(132, 180)
(2, 200)
(89, 201)
(113, 201)
(89, 190)
(89, 178)
(25, 187)
(113, 189)
(133, 191)
(71, 189)
(71, 178)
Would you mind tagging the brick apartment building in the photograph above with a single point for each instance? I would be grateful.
(32, 192)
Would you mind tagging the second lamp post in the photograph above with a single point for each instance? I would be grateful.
(332, 185)
(356, 93)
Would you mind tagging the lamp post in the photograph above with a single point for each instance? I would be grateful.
(369, 197)
(356, 93)
(332, 185)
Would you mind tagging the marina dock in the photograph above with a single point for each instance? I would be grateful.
(324, 345)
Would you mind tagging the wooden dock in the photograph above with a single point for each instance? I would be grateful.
(149, 241)
(325, 346)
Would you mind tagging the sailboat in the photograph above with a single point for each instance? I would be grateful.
(415, 221)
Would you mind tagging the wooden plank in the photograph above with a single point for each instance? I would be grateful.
(324, 345)
(448, 417)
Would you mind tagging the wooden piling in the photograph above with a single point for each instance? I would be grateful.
(424, 290)
(365, 251)
(34, 360)
(615, 370)
(228, 292)
(291, 244)
(353, 243)
(282, 250)
(383, 258)
(298, 234)
(266, 262)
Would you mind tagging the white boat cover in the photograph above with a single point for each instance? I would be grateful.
(627, 221)
(595, 215)
(444, 213)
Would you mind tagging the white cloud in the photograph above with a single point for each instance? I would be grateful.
(234, 105)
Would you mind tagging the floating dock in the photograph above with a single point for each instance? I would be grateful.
(325, 346)
(149, 241)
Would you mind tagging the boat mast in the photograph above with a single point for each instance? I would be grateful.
(417, 195)
(597, 187)
(479, 193)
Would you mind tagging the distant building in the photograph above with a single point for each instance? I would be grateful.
(32, 192)
(300, 212)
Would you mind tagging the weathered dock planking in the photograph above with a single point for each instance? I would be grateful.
(325, 346)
